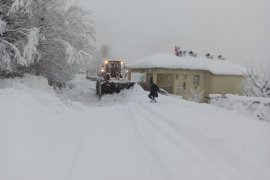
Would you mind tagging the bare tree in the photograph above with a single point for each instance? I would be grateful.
(257, 84)
(196, 95)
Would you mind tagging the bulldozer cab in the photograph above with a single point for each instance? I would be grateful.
(112, 69)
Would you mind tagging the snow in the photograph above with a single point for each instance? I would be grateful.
(73, 55)
(30, 50)
(257, 107)
(5, 58)
(21, 5)
(72, 135)
(3, 26)
(163, 60)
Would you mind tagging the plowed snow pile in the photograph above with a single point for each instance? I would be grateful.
(70, 135)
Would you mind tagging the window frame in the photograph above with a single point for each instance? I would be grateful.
(196, 80)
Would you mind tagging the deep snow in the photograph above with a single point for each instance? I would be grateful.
(257, 107)
(71, 135)
(169, 61)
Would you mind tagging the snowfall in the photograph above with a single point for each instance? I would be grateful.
(71, 135)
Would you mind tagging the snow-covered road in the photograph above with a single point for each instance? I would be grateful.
(124, 137)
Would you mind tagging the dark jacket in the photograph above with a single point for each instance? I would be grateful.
(154, 89)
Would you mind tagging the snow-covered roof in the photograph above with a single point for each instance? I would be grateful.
(168, 61)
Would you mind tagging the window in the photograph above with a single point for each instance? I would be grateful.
(196, 80)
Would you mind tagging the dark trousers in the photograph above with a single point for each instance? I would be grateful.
(152, 97)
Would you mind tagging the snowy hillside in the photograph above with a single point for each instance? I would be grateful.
(70, 135)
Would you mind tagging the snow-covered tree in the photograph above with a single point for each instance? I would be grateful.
(22, 6)
(17, 42)
(98, 58)
(70, 32)
(257, 84)
(45, 37)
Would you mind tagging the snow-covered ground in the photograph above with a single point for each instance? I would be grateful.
(257, 107)
(71, 135)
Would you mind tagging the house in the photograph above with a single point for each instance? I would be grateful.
(181, 75)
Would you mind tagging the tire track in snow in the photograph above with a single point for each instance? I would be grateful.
(120, 122)
(183, 149)
(199, 149)
(65, 148)
(58, 139)
(148, 154)
(76, 150)
(133, 139)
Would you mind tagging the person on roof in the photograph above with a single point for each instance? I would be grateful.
(154, 89)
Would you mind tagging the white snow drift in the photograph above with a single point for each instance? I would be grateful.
(124, 136)
(257, 107)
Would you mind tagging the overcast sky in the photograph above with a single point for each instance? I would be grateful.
(237, 29)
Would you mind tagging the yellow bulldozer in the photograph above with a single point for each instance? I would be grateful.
(112, 78)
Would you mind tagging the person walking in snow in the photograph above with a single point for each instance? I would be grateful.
(154, 89)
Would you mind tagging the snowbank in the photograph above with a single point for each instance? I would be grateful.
(28, 82)
(79, 90)
(252, 106)
(123, 136)
(163, 60)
